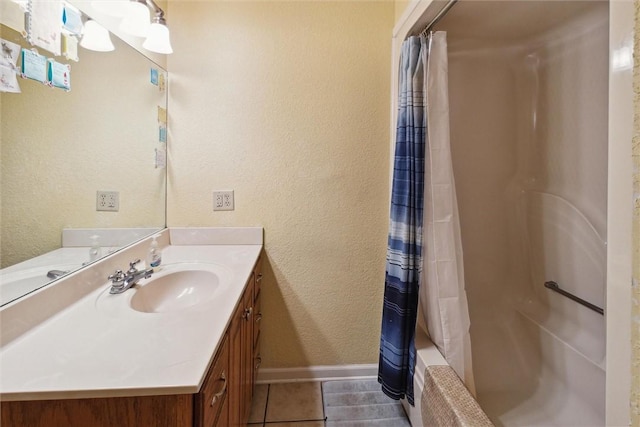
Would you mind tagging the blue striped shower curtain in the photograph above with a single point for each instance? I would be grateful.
(404, 251)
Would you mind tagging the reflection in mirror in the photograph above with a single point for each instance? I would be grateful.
(58, 149)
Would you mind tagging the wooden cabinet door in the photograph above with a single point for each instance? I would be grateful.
(247, 350)
(223, 420)
(235, 367)
(257, 318)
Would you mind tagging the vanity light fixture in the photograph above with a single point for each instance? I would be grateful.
(158, 38)
(115, 8)
(96, 37)
(136, 20)
(137, 23)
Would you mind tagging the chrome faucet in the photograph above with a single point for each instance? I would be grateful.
(54, 274)
(121, 281)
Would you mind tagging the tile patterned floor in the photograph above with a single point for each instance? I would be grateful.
(297, 404)
(287, 405)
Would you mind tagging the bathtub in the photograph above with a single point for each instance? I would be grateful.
(449, 401)
(567, 387)
(441, 398)
(540, 357)
(427, 354)
(545, 377)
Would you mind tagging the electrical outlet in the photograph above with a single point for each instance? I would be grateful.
(107, 201)
(223, 200)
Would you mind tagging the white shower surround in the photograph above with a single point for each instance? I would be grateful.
(544, 332)
(529, 130)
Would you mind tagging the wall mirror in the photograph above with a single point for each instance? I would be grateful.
(59, 148)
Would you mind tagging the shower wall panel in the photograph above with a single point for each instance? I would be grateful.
(529, 142)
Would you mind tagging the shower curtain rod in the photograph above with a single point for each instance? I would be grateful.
(439, 16)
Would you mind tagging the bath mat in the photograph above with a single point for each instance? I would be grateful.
(360, 403)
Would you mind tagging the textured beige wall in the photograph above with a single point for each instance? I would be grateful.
(287, 103)
(635, 318)
(58, 148)
(400, 6)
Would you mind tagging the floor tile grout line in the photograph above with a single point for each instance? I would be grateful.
(324, 415)
(266, 405)
(266, 423)
(356, 404)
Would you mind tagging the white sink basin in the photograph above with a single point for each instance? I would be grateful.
(174, 288)
(175, 291)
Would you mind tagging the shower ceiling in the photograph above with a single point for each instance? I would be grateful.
(509, 20)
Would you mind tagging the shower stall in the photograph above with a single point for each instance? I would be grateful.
(529, 110)
(529, 91)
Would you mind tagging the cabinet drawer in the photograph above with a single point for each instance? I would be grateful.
(210, 402)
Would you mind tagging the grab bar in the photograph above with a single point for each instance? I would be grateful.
(554, 287)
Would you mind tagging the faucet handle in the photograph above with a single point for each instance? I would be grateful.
(116, 277)
(132, 266)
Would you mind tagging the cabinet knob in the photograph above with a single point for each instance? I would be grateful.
(258, 362)
(221, 393)
(247, 313)
(258, 317)
(259, 277)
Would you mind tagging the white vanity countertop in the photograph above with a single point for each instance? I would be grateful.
(85, 351)
(22, 278)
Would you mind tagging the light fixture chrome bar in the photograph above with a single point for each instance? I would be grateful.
(158, 12)
(158, 39)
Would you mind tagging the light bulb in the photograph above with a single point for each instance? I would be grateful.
(158, 39)
(136, 21)
(96, 37)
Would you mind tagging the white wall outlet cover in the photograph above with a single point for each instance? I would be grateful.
(223, 200)
(108, 201)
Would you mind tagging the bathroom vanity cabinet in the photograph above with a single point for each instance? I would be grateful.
(211, 405)
(243, 362)
(223, 400)
(242, 351)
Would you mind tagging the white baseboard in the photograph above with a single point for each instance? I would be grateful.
(317, 373)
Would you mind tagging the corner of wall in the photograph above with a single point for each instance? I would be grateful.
(635, 317)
